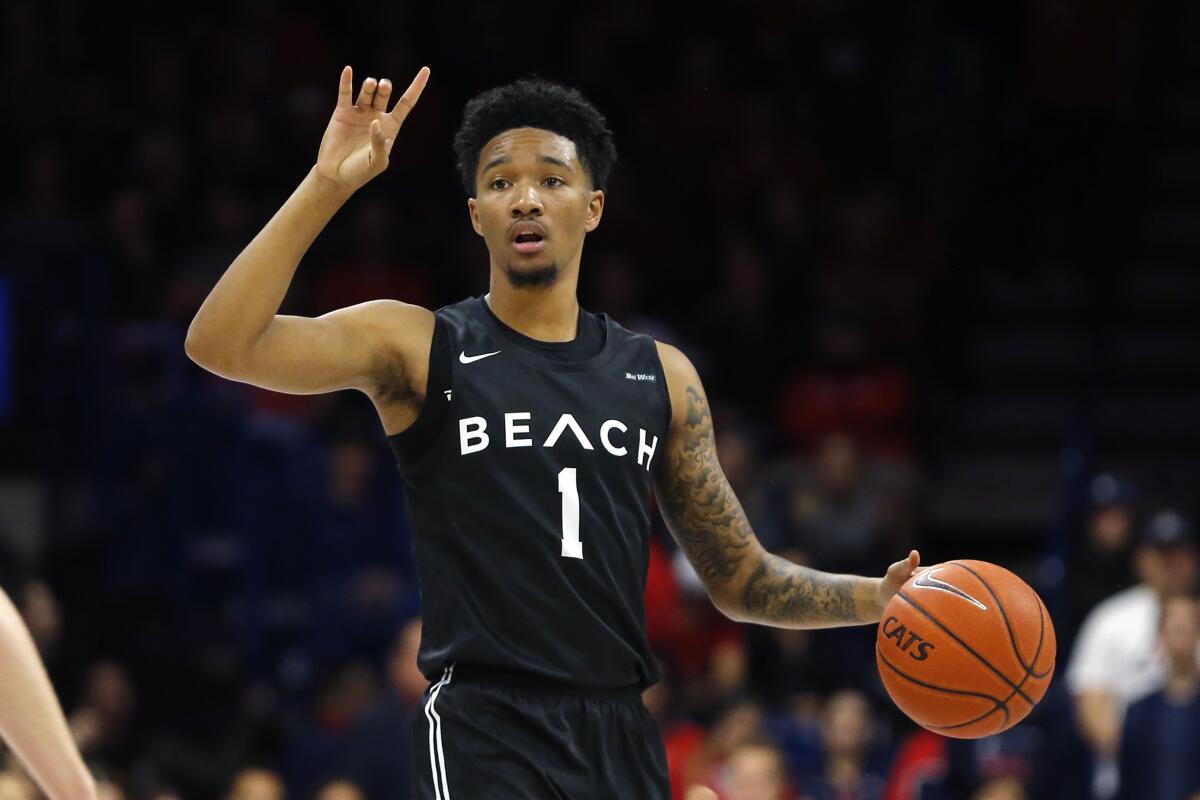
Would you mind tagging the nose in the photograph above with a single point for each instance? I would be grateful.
(527, 203)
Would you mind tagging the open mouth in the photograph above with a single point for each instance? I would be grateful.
(528, 238)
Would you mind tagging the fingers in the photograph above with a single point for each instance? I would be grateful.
(376, 95)
(378, 146)
(902, 570)
(700, 793)
(345, 87)
(409, 99)
(366, 95)
(382, 95)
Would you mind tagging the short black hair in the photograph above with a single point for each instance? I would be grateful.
(535, 102)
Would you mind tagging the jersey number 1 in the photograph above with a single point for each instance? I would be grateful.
(567, 487)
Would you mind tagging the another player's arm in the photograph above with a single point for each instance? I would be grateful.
(31, 719)
(745, 581)
(238, 332)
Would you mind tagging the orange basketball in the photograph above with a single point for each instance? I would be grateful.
(966, 649)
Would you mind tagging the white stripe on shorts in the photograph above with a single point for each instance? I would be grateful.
(437, 758)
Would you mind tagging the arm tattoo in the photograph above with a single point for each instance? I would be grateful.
(707, 520)
(782, 592)
(697, 500)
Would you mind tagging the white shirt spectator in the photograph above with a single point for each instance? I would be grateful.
(1118, 648)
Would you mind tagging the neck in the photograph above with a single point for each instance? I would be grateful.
(548, 313)
(844, 771)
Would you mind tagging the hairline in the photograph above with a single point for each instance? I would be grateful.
(583, 167)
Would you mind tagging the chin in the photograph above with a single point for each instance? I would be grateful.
(532, 276)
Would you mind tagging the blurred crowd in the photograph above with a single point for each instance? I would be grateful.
(220, 579)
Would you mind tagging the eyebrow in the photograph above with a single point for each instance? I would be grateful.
(546, 159)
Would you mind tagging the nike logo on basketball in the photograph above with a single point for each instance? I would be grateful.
(926, 581)
(463, 358)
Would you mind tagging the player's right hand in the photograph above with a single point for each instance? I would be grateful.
(361, 132)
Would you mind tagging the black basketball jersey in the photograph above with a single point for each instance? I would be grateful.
(528, 483)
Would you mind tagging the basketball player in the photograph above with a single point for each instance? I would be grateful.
(31, 719)
(530, 434)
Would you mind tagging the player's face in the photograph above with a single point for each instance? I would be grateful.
(534, 204)
(1168, 569)
(1180, 627)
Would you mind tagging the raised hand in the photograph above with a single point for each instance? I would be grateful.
(361, 133)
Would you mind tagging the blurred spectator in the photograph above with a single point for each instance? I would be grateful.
(737, 449)
(1116, 658)
(918, 768)
(836, 511)
(374, 267)
(682, 737)
(345, 790)
(707, 649)
(1160, 741)
(663, 596)
(792, 669)
(1001, 789)
(14, 785)
(363, 550)
(849, 390)
(109, 789)
(345, 698)
(738, 723)
(256, 783)
(42, 614)
(104, 724)
(740, 306)
(1009, 756)
(374, 751)
(847, 734)
(1100, 562)
(755, 770)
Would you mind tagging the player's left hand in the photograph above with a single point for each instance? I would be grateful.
(896, 575)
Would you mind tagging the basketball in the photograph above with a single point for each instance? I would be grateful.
(966, 649)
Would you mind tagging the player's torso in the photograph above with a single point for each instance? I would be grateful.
(529, 490)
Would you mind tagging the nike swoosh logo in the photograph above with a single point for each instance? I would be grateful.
(463, 358)
(926, 581)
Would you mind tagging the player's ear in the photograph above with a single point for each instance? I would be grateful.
(595, 210)
(473, 211)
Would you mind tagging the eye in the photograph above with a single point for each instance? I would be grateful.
(499, 184)
(554, 180)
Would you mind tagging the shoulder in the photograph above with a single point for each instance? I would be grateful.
(673, 359)
(1112, 633)
(385, 315)
(683, 381)
(382, 332)
(1134, 605)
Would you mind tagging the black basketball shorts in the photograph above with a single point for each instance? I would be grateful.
(486, 735)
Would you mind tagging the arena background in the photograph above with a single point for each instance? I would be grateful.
(935, 261)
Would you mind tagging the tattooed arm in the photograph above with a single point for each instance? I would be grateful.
(745, 581)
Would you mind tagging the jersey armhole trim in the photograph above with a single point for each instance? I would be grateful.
(664, 391)
(416, 440)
